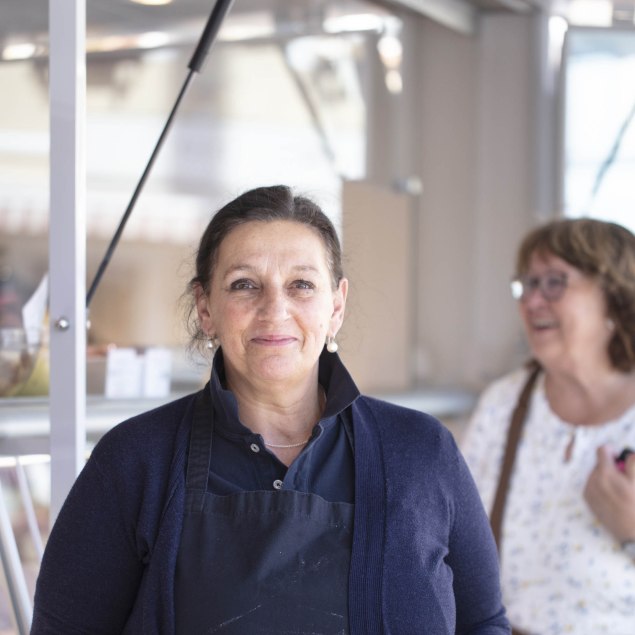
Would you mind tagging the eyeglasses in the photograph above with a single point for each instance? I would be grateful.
(551, 285)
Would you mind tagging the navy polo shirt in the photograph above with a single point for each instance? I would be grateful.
(241, 462)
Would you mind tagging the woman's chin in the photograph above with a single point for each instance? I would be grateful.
(279, 367)
(544, 345)
(547, 356)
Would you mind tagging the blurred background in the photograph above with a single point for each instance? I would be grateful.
(434, 133)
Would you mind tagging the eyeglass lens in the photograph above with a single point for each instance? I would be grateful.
(551, 286)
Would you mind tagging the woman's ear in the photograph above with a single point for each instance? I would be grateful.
(202, 308)
(339, 306)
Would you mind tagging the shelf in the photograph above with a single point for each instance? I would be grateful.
(25, 426)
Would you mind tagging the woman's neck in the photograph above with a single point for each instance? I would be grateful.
(285, 417)
(591, 396)
(283, 414)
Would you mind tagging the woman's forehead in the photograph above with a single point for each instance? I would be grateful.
(258, 241)
(274, 232)
(544, 259)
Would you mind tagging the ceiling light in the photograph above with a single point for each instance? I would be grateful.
(394, 81)
(153, 39)
(390, 50)
(21, 51)
(353, 23)
(153, 3)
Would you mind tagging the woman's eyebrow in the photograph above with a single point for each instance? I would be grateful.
(239, 267)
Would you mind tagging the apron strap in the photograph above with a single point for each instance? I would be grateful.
(200, 451)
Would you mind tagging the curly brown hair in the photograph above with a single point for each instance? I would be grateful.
(601, 250)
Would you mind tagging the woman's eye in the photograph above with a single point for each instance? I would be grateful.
(242, 285)
(303, 284)
(554, 282)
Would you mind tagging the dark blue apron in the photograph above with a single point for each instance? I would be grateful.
(261, 562)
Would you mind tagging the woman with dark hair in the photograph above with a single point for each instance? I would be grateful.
(277, 499)
(546, 442)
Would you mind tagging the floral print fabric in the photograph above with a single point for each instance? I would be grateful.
(561, 571)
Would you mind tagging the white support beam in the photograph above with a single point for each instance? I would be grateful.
(458, 15)
(67, 244)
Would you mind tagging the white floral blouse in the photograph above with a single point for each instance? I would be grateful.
(561, 571)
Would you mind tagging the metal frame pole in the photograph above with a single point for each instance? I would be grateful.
(67, 245)
(13, 572)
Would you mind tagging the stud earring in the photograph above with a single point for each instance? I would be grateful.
(331, 345)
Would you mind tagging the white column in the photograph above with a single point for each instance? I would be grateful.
(67, 244)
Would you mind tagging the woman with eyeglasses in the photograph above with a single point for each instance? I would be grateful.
(546, 442)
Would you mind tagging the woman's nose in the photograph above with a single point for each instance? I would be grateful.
(533, 297)
(273, 305)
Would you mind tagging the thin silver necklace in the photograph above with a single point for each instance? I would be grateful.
(285, 446)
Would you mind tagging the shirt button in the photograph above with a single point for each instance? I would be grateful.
(255, 447)
(277, 484)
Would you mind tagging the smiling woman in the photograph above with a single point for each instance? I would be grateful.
(567, 540)
(271, 306)
(277, 499)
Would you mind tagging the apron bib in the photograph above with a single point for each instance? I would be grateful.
(258, 562)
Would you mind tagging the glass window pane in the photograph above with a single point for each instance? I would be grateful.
(599, 124)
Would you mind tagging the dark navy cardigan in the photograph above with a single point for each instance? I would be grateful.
(423, 559)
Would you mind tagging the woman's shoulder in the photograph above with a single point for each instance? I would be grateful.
(162, 419)
(504, 390)
(409, 442)
(400, 424)
(491, 416)
(394, 413)
(150, 436)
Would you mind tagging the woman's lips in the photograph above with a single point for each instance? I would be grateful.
(273, 340)
(542, 325)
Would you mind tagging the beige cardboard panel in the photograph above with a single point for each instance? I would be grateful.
(376, 237)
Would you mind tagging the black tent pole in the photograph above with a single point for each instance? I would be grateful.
(206, 40)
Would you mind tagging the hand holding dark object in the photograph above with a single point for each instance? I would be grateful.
(610, 493)
(620, 460)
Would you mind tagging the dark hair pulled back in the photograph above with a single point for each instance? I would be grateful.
(262, 204)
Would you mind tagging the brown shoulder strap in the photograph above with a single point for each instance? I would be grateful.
(513, 437)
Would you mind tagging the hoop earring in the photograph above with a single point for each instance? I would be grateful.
(331, 345)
